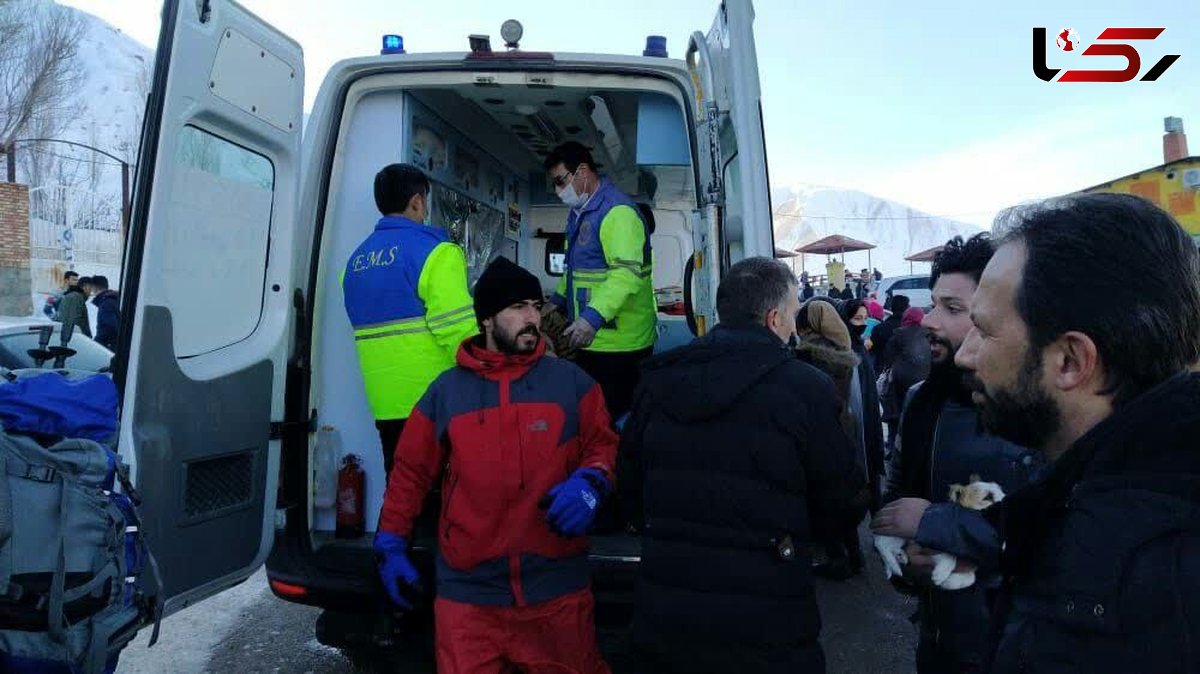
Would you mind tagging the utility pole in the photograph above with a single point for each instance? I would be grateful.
(124, 201)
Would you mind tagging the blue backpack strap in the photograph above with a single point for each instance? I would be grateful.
(58, 585)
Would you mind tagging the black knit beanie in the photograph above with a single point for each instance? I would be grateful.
(501, 285)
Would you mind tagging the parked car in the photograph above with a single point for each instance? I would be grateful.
(915, 286)
(21, 336)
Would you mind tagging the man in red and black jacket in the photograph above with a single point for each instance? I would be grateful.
(528, 451)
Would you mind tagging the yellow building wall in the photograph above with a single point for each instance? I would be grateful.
(1164, 186)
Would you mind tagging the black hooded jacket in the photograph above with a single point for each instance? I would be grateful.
(733, 461)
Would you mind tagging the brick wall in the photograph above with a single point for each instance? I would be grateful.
(15, 282)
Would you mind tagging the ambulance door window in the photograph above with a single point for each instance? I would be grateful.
(220, 217)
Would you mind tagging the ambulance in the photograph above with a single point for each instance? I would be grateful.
(236, 347)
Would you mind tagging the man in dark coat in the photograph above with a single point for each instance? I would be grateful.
(1100, 555)
(880, 337)
(733, 460)
(73, 313)
(108, 311)
(940, 444)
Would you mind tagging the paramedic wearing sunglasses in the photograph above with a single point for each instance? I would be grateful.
(607, 292)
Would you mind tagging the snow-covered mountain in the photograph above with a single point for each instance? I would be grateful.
(107, 108)
(115, 83)
(805, 213)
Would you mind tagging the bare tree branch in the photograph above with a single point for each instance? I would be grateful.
(39, 68)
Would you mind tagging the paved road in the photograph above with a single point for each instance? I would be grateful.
(247, 630)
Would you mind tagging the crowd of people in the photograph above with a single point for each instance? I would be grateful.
(1035, 488)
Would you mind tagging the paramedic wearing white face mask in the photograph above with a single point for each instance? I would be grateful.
(607, 292)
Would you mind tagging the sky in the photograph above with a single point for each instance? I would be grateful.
(933, 104)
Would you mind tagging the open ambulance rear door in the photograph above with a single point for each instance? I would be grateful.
(211, 264)
(736, 219)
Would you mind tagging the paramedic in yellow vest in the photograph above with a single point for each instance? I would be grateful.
(406, 294)
(607, 292)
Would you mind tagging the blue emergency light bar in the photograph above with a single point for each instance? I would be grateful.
(392, 44)
(656, 45)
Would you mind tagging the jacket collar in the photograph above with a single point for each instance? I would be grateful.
(822, 350)
(474, 356)
(401, 222)
(600, 198)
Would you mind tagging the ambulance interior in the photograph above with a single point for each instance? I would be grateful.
(483, 147)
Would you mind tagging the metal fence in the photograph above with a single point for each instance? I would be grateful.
(72, 229)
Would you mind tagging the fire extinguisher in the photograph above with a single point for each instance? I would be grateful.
(351, 498)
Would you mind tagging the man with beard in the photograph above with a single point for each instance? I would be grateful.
(1101, 554)
(939, 444)
(528, 453)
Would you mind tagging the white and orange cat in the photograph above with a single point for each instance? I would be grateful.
(978, 496)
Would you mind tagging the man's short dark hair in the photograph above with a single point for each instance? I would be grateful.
(70, 275)
(1118, 269)
(100, 282)
(85, 280)
(752, 288)
(963, 257)
(899, 304)
(396, 185)
(570, 154)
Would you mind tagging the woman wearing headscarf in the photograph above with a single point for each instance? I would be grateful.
(825, 343)
(856, 315)
(874, 317)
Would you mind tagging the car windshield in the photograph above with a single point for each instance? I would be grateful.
(14, 352)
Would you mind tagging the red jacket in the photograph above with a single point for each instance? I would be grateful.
(507, 429)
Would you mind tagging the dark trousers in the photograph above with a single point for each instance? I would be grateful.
(389, 435)
(933, 660)
(617, 373)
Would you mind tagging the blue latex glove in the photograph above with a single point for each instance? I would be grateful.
(573, 502)
(396, 570)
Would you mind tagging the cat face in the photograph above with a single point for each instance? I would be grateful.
(976, 495)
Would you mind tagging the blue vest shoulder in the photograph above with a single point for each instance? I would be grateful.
(382, 274)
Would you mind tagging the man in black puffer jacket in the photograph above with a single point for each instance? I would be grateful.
(733, 461)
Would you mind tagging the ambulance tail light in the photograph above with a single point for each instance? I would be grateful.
(288, 590)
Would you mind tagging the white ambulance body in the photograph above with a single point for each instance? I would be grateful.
(238, 347)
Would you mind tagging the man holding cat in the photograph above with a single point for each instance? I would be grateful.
(1100, 555)
(940, 446)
